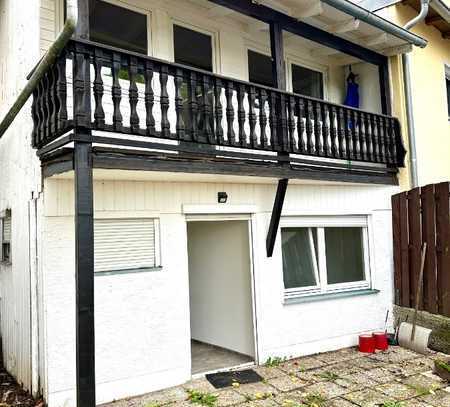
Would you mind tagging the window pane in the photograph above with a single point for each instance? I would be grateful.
(118, 26)
(345, 255)
(299, 262)
(192, 48)
(260, 69)
(307, 82)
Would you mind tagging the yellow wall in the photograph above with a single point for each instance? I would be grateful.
(429, 100)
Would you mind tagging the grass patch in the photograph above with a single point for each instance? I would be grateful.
(329, 376)
(392, 404)
(204, 399)
(443, 365)
(274, 361)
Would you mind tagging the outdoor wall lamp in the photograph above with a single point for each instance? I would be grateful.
(222, 197)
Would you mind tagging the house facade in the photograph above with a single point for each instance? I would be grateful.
(430, 86)
(193, 175)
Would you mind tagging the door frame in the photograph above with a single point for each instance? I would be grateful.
(217, 213)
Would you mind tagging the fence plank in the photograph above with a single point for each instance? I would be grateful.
(415, 242)
(443, 246)
(430, 293)
(396, 230)
(405, 279)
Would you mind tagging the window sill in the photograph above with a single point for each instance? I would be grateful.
(131, 271)
(5, 263)
(329, 296)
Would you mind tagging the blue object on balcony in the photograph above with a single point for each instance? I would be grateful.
(352, 97)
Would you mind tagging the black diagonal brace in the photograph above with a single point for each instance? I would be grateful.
(276, 215)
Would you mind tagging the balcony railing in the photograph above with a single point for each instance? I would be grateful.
(100, 88)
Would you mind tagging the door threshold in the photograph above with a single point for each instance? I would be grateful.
(223, 369)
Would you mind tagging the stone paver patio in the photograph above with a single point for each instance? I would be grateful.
(344, 378)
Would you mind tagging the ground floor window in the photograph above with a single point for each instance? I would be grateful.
(322, 255)
(126, 244)
(5, 237)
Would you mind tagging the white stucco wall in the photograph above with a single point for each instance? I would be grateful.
(19, 186)
(142, 320)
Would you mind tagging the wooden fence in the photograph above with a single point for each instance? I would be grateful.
(422, 215)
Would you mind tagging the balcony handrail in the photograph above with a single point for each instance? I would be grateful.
(176, 102)
(218, 76)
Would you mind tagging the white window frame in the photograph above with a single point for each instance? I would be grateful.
(148, 13)
(138, 215)
(321, 222)
(215, 45)
(293, 60)
(3, 215)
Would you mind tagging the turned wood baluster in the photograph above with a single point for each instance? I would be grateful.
(116, 92)
(292, 146)
(149, 99)
(326, 117)
(252, 116)
(230, 114)
(356, 131)
(273, 121)
(387, 140)
(241, 115)
(35, 117)
(52, 107)
(394, 152)
(61, 91)
(375, 138)
(349, 130)
(208, 133)
(342, 134)
(362, 136)
(368, 137)
(45, 106)
(99, 113)
(193, 106)
(133, 94)
(262, 118)
(218, 110)
(40, 113)
(302, 146)
(334, 125)
(282, 133)
(318, 120)
(164, 101)
(310, 145)
(381, 139)
(180, 126)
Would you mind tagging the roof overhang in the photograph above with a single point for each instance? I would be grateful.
(438, 15)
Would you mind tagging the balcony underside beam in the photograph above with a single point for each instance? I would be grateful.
(291, 24)
(61, 161)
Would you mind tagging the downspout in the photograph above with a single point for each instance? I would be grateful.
(48, 59)
(406, 61)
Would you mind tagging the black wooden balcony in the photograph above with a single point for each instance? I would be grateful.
(173, 107)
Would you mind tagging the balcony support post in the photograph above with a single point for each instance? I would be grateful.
(277, 51)
(276, 215)
(82, 30)
(385, 89)
(84, 273)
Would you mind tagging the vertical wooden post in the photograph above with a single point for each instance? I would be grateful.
(277, 50)
(82, 30)
(84, 274)
(276, 215)
(385, 89)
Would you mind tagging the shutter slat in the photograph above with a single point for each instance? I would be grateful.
(123, 244)
(7, 229)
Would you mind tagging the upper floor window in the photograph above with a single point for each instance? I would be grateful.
(307, 82)
(260, 69)
(324, 255)
(5, 235)
(118, 26)
(192, 48)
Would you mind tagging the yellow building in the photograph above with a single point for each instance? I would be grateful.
(430, 91)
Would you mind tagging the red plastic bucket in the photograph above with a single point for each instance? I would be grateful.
(367, 343)
(381, 341)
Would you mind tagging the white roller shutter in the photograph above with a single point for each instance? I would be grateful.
(6, 230)
(125, 244)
